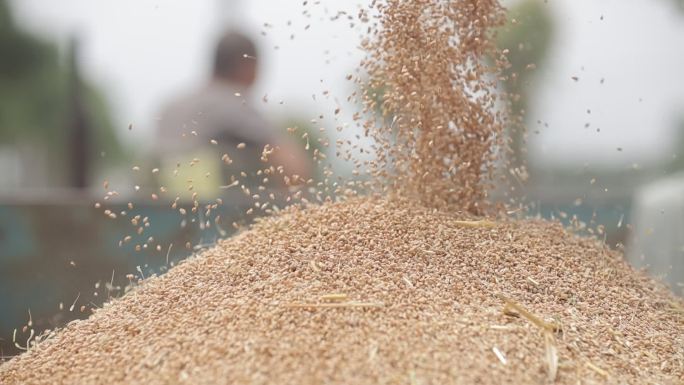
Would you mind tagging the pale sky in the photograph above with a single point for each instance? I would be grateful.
(143, 52)
(638, 49)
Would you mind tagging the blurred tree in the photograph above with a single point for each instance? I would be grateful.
(676, 162)
(35, 106)
(527, 36)
(680, 4)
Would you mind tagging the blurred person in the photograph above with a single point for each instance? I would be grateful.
(216, 119)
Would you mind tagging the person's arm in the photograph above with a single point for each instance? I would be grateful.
(293, 159)
(255, 130)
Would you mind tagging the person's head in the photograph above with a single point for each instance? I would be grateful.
(235, 59)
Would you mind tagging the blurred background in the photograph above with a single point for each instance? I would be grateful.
(84, 86)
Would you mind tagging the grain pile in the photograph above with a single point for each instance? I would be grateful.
(411, 288)
(377, 292)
